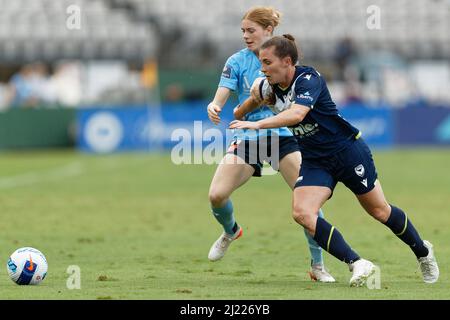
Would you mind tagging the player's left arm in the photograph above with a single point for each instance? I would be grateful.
(290, 117)
(306, 93)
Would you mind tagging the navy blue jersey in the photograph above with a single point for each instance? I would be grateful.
(323, 131)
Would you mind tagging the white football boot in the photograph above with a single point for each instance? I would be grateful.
(428, 265)
(221, 245)
(362, 270)
(318, 273)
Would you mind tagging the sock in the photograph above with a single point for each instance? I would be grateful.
(314, 248)
(330, 239)
(225, 217)
(402, 227)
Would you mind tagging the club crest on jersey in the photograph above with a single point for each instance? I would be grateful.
(226, 73)
(359, 170)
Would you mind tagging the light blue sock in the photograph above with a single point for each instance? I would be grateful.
(314, 248)
(225, 216)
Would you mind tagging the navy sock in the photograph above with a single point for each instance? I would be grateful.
(331, 240)
(314, 248)
(402, 227)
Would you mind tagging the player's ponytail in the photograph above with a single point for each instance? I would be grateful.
(289, 37)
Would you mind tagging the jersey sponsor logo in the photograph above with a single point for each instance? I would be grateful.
(306, 130)
(226, 73)
(306, 96)
(364, 182)
(308, 77)
(359, 170)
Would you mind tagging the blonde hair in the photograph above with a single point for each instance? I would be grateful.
(264, 16)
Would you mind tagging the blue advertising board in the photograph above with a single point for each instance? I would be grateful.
(376, 125)
(127, 128)
(423, 126)
(105, 130)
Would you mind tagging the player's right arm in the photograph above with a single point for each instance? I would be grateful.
(247, 106)
(228, 82)
(215, 107)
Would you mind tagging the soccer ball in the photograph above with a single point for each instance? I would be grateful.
(27, 266)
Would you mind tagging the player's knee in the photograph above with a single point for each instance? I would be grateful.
(302, 215)
(217, 198)
(381, 213)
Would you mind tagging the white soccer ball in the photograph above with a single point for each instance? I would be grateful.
(27, 266)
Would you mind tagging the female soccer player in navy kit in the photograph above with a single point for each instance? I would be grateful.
(236, 168)
(332, 151)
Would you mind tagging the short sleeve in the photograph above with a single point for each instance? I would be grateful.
(229, 77)
(307, 89)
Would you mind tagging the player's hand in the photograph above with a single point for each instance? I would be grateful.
(213, 113)
(238, 124)
(236, 114)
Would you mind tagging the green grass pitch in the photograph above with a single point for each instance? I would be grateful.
(140, 227)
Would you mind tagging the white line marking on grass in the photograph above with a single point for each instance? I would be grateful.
(30, 178)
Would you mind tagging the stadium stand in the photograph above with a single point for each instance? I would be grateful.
(201, 34)
(415, 29)
(132, 28)
(38, 29)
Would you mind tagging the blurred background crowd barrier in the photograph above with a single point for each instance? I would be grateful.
(116, 75)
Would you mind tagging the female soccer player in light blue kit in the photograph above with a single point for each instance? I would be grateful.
(237, 166)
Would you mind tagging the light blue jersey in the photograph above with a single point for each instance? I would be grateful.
(240, 70)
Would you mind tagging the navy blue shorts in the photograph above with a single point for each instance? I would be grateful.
(352, 166)
(255, 152)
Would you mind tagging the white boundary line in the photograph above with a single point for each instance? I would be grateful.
(30, 178)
